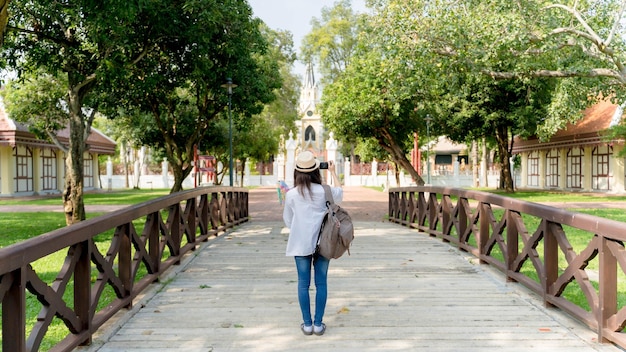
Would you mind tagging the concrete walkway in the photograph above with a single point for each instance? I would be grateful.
(398, 291)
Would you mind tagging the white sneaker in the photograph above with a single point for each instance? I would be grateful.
(319, 330)
(307, 330)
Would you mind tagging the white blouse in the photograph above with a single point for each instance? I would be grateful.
(303, 216)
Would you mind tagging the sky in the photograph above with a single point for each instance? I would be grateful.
(295, 16)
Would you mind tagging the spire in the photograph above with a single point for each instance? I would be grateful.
(309, 95)
(309, 79)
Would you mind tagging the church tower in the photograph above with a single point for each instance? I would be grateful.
(310, 127)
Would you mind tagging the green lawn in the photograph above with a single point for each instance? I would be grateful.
(541, 197)
(118, 197)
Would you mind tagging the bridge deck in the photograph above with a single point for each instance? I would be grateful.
(398, 291)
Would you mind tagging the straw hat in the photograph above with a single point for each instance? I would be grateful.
(306, 162)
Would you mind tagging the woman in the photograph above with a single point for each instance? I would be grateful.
(305, 205)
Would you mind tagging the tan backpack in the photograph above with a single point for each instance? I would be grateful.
(336, 232)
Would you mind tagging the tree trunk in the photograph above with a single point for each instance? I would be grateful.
(73, 203)
(506, 180)
(243, 170)
(398, 155)
(180, 174)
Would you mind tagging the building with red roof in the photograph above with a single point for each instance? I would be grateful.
(576, 158)
(32, 166)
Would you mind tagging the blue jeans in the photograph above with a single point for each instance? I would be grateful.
(320, 266)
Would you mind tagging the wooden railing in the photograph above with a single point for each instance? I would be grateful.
(528, 242)
(145, 240)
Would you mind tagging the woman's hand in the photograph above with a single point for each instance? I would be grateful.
(331, 166)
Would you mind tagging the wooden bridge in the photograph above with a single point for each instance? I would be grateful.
(400, 290)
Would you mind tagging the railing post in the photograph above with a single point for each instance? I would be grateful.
(203, 216)
(608, 285)
(14, 311)
(421, 208)
(175, 228)
(446, 216)
(125, 260)
(550, 260)
(462, 219)
(402, 208)
(237, 206)
(483, 235)
(190, 219)
(432, 212)
(153, 229)
(214, 210)
(246, 204)
(391, 206)
(82, 287)
(224, 209)
(230, 209)
(512, 243)
(411, 208)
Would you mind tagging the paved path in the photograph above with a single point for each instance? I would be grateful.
(398, 291)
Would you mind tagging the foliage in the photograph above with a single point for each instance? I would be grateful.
(83, 42)
(4, 17)
(333, 39)
(486, 69)
(364, 103)
(37, 101)
(282, 113)
(175, 95)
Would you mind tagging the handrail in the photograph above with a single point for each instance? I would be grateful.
(137, 255)
(509, 244)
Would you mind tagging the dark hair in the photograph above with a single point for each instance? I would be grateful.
(305, 179)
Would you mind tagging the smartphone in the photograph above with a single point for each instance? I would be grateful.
(323, 165)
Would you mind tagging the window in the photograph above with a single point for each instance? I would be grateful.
(574, 167)
(48, 169)
(601, 167)
(533, 169)
(88, 170)
(309, 134)
(552, 169)
(23, 169)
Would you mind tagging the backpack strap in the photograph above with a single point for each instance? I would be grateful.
(329, 195)
(329, 201)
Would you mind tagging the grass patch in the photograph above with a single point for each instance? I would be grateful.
(118, 197)
(545, 197)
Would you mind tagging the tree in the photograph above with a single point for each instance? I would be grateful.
(201, 45)
(533, 39)
(282, 112)
(259, 137)
(82, 40)
(4, 18)
(472, 53)
(366, 102)
(496, 110)
(332, 40)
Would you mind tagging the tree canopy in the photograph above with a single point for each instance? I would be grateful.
(180, 85)
(79, 43)
(480, 69)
